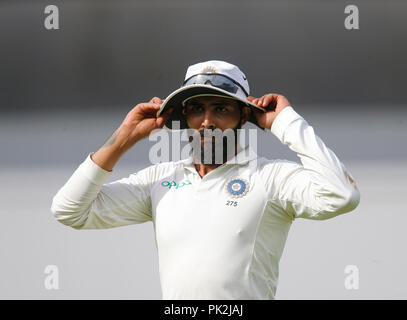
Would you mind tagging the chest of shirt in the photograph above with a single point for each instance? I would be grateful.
(188, 208)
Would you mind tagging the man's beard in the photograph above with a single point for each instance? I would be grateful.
(217, 149)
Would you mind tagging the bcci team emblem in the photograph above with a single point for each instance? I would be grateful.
(209, 69)
(236, 188)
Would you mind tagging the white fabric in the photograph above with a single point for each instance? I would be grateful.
(221, 67)
(208, 246)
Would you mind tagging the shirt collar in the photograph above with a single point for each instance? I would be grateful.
(242, 157)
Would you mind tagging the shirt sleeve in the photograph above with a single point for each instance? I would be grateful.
(85, 202)
(320, 188)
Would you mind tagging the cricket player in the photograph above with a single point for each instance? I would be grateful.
(220, 228)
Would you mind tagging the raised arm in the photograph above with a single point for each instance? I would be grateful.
(85, 202)
(137, 125)
(319, 189)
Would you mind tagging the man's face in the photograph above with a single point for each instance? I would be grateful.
(211, 112)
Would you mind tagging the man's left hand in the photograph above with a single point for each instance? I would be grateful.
(273, 104)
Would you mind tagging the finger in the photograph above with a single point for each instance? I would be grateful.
(150, 106)
(250, 98)
(149, 109)
(271, 102)
(163, 117)
(266, 100)
(156, 100)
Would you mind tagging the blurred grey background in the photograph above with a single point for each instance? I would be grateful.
(63, 92)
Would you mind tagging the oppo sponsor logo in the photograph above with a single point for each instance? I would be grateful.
(174, 185)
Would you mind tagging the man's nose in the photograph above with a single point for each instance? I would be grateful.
(208, 122)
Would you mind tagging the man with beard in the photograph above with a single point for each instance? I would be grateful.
(220, 228)
(212, 144)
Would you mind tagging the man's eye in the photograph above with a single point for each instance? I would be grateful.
(222, 109)
(195, 108)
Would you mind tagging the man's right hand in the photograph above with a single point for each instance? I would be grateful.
(137, 125)
(142, 120)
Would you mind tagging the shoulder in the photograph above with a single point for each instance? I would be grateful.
(157, 171)
(275, 171)
(276, 165)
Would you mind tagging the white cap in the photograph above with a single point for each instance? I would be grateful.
(224, 68)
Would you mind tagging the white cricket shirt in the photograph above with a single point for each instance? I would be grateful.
(220, 236)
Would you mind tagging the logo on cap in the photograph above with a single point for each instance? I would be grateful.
(236, 188)
(209, 69)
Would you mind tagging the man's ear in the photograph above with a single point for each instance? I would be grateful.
(246, 111)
